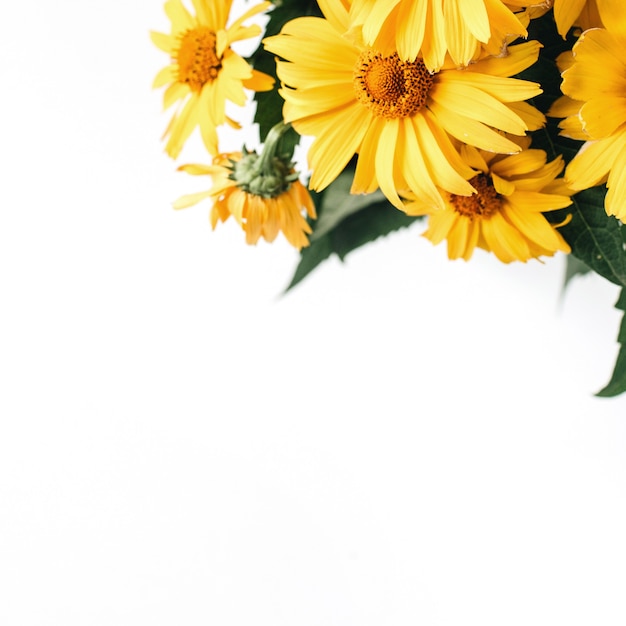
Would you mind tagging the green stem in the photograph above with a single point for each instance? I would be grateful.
(266, 158)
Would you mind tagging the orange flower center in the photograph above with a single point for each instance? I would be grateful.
(197, 60)
(481, 205)
(390, 87)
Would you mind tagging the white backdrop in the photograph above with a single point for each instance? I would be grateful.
(400, 440)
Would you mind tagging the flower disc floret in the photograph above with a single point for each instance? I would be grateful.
(197, 58)
(480, 205)
(390, 87)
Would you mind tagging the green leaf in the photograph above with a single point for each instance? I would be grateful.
(337, 203)
(617, 384)
(348, 224)
(595, 237)
(269, 110)
(574, 267)
(310, 258)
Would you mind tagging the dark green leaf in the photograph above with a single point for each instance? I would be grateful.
(373, 218)
(617, 384)
(269, 110)
(310, 258)
(574, 267)
(337, 203)
(595, 237)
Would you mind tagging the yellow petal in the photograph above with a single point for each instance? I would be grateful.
(162, 41)
(387, 131)
(164, 76)
(330, 152)
(472, 132)
(259, 81)
(590, 167)
(615, 201)
(181, 18)
(477, 105)
(602, 116)
(502, 186)
(565, 13)
(185, 202)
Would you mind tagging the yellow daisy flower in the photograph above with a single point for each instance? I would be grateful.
(396, 114)
(205, 72)
(581, 13)
(505, 215)
(262, 204)
(430, 28)
(597, 79)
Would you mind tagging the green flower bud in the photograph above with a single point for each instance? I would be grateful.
(265, 174)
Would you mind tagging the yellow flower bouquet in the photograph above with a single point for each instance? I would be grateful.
(498, 125)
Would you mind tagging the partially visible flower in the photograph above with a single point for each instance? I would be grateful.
(581, 13)
(566, 107)
(505, 215)
(263, 195)
(396, 115)
(430, 28)
(597, 79)
(205, 72)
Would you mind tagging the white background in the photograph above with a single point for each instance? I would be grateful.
(400, 440)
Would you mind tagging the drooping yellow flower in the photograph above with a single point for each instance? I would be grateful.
(430, 28)
(597, 79)
(505, 215)
(396, 115)
(581, 13)
(205, 72)
(262, 204)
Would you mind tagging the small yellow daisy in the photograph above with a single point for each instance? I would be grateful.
(504, 216)
(205, 72)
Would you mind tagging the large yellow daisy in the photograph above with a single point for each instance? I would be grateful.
(430, 28)
(396, 114)
(262, 206)
(205, 72)
(597, 79)
(505, 215)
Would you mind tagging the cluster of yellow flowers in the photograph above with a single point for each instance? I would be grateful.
(423, 95)
(261, 192)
